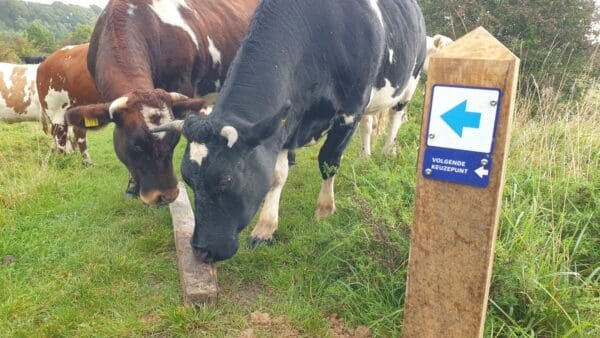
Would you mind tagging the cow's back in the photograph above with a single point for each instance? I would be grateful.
(18, 93)
(64, 82)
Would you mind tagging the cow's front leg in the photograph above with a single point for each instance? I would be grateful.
(60, 133)
(133, 188)
(269, 215)
(81, 137)
(330, 157)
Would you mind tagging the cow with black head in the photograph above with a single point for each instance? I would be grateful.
(182, 46)
(306, 69)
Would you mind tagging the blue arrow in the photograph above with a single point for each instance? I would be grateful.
(458, 118)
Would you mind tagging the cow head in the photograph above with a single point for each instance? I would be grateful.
(148, 156)
(434, 45)
(230, 171)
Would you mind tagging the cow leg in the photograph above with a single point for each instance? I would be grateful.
(269, 215)
(366, 129)
(330, 158)
(398, 117)
(81, 137)
(133, 188)
(60, 133)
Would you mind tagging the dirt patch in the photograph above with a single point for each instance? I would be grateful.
(264, 325)
(9, 260)
(339, 329)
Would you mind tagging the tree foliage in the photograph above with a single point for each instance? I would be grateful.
(553, 38)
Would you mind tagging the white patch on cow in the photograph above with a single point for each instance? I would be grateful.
(218, 84)
(155, 117)
(33, 111)
(80, 140)
(198, 152)
(391, 56)
(215, 54)
(206, 110)
(68, 47)
(375, 6)
(57, 103)
(131, 9)
(409, 90)
(268, 220)
(348, 119)
(231, 134)
(434, 45)
(366, 129)
(382, 98)
(168, 12)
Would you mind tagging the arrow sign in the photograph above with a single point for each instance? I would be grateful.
(482, 172)
(458, 118)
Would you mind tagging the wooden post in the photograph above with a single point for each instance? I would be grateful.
(198, 280)
(470, 97)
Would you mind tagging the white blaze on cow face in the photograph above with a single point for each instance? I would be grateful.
(168, 12)
(215, 54)
(155, 117)
(198, 152)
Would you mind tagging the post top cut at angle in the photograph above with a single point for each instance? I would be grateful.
(198, 280)
(476, 45)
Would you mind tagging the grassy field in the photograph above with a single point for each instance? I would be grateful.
(80, 260)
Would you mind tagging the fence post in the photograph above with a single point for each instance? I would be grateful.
(465, 137)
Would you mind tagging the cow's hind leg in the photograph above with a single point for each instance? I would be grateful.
(268, 220)
(81, 137)
(366, 129)
(330, 157)
(60, 133)
(398, 117)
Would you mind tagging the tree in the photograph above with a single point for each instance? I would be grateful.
(40, 37)
(81, 35)
(553, 38)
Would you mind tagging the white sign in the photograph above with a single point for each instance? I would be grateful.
(463, 118)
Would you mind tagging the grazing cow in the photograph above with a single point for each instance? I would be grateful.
(18, 93)
(398, 113)
(306, 69)
(64, 82)
(184, 47)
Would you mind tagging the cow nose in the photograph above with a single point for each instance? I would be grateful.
(203, 255)
(157, 198)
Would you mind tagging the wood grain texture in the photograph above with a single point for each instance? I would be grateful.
(198, 280)
(455, 226)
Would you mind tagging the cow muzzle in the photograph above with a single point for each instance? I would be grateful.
(159, 198)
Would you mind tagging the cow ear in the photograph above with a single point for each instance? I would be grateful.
(181, 108)
(266, 128)
(94, 116)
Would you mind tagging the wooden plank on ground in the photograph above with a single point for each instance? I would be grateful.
(455, 224)
(198, 279)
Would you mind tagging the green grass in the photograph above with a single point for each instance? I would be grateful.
(90, 263)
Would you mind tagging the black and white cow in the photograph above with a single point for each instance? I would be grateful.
(306, 69)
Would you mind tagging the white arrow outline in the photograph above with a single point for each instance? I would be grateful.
(481, 171)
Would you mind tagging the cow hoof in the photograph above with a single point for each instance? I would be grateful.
(254, 243)
(324, 211)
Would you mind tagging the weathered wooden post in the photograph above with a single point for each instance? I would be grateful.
(198, 280)
(465, 137)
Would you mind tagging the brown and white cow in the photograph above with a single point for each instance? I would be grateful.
(18, 93)
(182, 46)
(63, 82)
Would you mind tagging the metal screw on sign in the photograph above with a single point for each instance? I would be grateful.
(494, 103)
(431, 136)
(484, 162)
(428, 172)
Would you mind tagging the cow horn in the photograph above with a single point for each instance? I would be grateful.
(117, 105)
(231, 134)
(176, 97)
(176, 125)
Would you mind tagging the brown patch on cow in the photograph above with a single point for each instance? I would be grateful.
(14, 96)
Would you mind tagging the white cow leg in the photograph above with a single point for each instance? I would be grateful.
(326, 201)
(268, 220)
(366, 128)
(390, 144)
